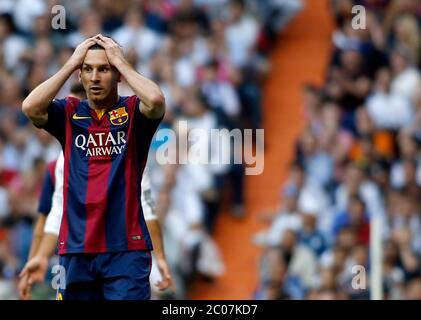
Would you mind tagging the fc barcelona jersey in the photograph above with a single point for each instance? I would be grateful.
(104, 162)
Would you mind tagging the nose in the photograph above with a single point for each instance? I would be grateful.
(95, 76)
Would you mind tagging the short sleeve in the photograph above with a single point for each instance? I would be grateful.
(145, 128)
(45, 199)
(52, 224)
(148, 204)
(56, 124)
(148, 126)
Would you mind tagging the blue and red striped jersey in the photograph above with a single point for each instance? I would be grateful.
(104, 162)
(46, 197)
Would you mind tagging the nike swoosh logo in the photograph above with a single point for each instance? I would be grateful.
(76, 117)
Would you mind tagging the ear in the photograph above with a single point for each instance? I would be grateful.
(79, 76)
(119, 77)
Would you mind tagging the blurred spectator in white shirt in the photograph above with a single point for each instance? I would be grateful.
(406, 32)
(133, 34)
(241, 34)
(89, 25)
(406, 78)
(318, 163)
(301, 260)
(405, 216)
(219, 94)
(25, 11)
(286, 219)
(356, 183)
(12, 46)
(388, 108)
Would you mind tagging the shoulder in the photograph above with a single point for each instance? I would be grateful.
(73, 102)
(70, 102)
(131, 101)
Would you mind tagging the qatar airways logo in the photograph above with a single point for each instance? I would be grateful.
(101, 144)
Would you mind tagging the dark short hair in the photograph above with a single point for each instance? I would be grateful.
(96, 46)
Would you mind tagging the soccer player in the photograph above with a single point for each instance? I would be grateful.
(104, 244)
(45, 237)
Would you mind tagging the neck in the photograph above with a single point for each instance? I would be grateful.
(104, 104)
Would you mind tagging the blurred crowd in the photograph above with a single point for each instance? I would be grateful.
(210, 57)
(356, 161)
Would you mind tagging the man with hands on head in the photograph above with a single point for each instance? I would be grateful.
(104, 244)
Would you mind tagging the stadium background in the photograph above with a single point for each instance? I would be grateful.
(341, 113)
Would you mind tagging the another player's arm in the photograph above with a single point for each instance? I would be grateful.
(36, 268)
(151, 96)
(154, 228)
(158, 245)
(44, 207)
(35, 106)
(38, 234)
(48, 245)
(24, 288)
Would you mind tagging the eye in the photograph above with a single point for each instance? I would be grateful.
(86, 68)
(104, 69)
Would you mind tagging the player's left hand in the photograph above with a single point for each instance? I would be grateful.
(166, 281)
(35, 269)
(113, 51)
(24, 288)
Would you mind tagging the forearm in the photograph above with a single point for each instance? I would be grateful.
(36, 103)
(48, 245)
(156, 235)
(36, 240)
(37, 237)
(148, 91)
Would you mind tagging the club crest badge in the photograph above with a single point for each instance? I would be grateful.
(119, 116)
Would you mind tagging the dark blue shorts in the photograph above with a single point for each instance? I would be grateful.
(109, 276)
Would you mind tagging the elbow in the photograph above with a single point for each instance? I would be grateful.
(158, 101)
(26, 108)
(154, 106)
(31, 111)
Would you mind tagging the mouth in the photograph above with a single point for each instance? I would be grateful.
(95, 90)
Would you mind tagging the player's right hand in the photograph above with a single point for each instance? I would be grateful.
(76, 60)
(35, 269)
(166, 281)
(24, 288)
